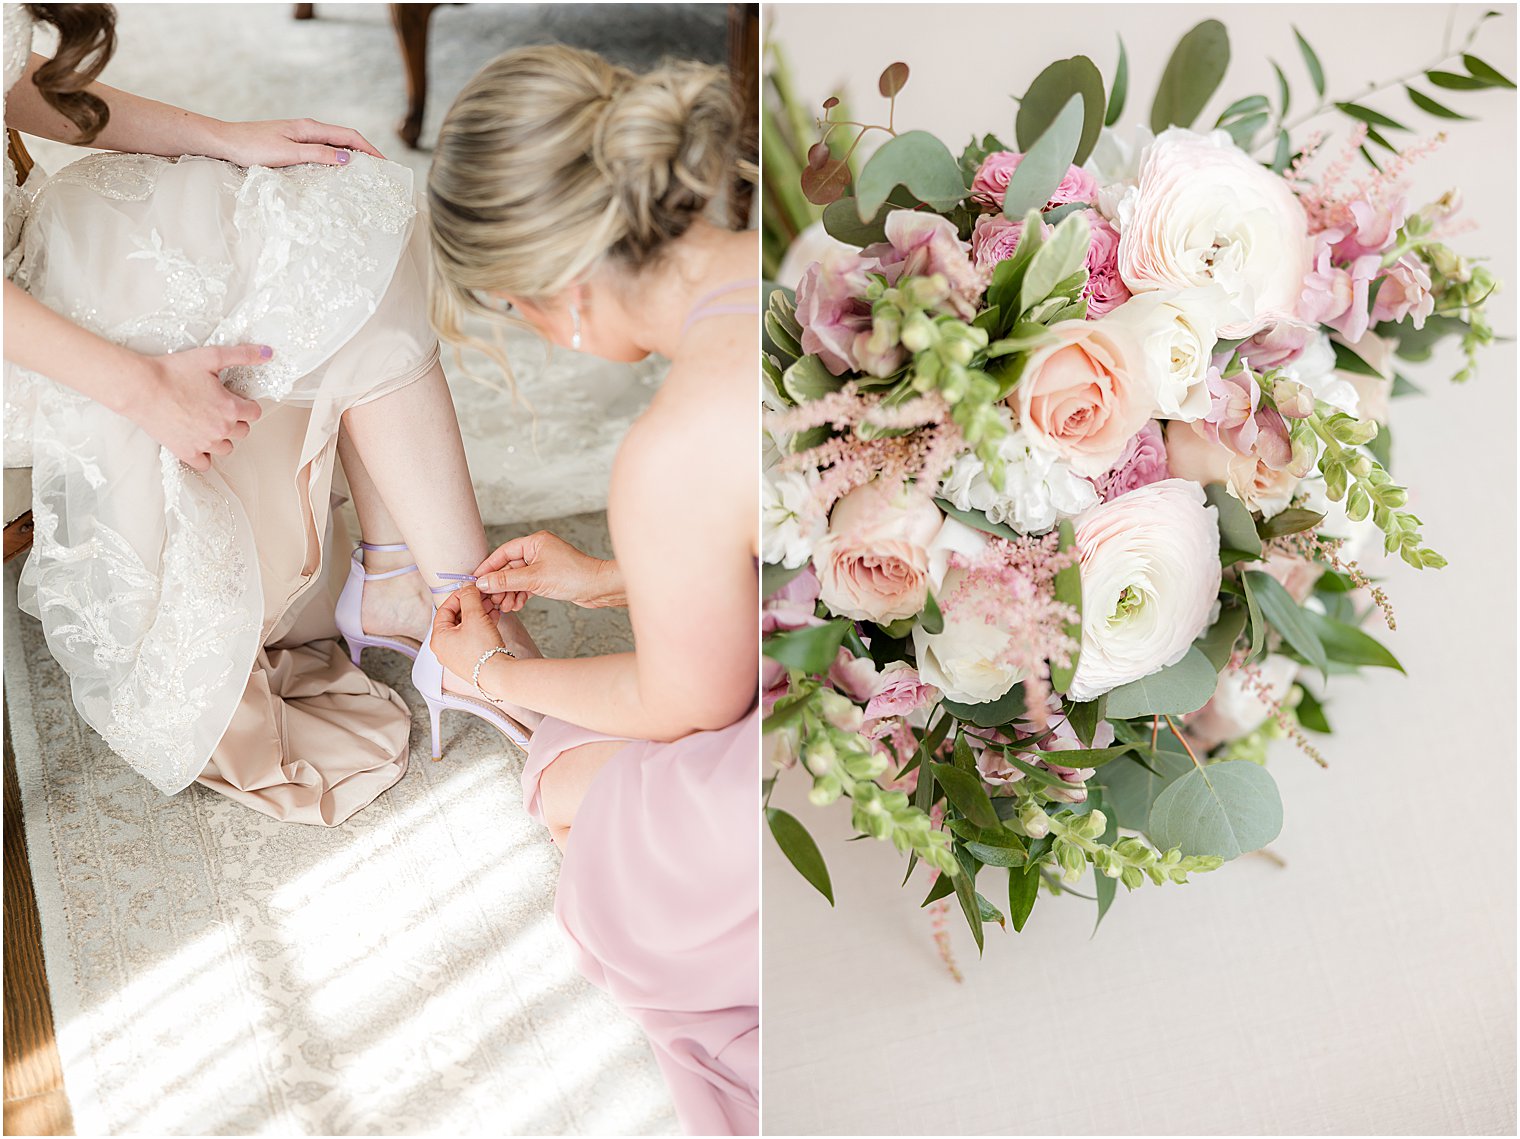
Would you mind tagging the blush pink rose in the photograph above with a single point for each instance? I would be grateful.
(1405, 291)
(873, 563)
(832, 309)
(1105, 289)
(900, 691)
(1143, 462)
(996, 238)
(923, 245)
(1077, 397)
(990, 184)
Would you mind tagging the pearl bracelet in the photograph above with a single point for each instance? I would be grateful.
(485, 656)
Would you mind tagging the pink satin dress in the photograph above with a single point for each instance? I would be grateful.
(659, 894)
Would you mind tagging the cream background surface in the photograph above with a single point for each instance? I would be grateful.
(1367, 987)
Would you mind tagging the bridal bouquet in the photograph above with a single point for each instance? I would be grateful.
(1075, 440)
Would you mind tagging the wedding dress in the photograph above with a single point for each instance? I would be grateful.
(193, 612)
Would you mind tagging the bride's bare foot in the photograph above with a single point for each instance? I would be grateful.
(395, 606)
(516, 638)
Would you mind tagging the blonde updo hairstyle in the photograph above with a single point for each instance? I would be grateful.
(553, 161)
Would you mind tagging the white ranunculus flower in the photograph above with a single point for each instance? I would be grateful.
(962, 660)
(1038, 488)
(1150, 577)
(1178, 331)
(790, 521)
(1201, 211)
(1314, 367)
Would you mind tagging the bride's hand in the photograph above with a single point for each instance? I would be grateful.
(463, 629)
(288, 142)
(183, 404)
(544, 565)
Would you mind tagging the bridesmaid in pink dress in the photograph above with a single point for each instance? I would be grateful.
(570, 194)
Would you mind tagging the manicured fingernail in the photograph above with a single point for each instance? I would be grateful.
(266, 352)
(342, 158)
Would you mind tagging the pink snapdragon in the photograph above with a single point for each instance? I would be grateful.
(790, 607)
(926, 245)
(1273, 347)
(832, 309)
(1105, 289)
(1336, 295)
(1405, 291)
(990, 184)
(1237, 420)
(1143, 462)
(1369, 224)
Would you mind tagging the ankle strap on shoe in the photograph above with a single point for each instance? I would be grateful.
(457, 579)
(393, 548)
(358, 562)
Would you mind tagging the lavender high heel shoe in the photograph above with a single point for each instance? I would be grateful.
(427, 677)
(352, 598)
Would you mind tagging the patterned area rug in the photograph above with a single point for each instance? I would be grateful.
(216, 972)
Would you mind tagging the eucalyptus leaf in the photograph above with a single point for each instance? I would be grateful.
(1045, 162)
(800, 849)
(1283, 155)
(1218, 641)
(1283, 93)
(1023, 889)
(1243, 130)
(1175, 690)
(811, 650)
(773, 579)
(992, 714)
(1237, 529)
(1480, 70)
(1369, 116)
(1242, 107)
(965, 790)
(1431, 107)
(1129, 789)
(1349, 645)
(1063, 254)
(1050, 92)
(1192, 75)
(1290, 521)
(1455, 82)
(1311, 62)
(1287, 617)
(976, 520)
(1068, 589)
(917, 161)
(1120, 88)
(1225, 809)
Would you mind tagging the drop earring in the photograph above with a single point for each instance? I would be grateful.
(575, 333)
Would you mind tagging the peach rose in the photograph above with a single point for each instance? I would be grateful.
(1076, 396)
(873, 563)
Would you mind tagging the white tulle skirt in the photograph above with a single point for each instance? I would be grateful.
(190, 610)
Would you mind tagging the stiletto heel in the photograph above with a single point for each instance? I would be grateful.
(350, 602)
(427, 676)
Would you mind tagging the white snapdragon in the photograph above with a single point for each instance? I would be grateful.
(790, 522)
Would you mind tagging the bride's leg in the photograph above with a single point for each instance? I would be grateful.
(405, 462)
(395, 606)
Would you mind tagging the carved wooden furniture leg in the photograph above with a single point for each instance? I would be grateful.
(411, 23)
(744, 74)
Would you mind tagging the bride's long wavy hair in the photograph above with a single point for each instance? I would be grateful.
(552, 161)
(86, 42)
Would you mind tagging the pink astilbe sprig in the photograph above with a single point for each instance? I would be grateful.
(1313, 547)
(1328, 198)
(1261, 688)
(1010, 583)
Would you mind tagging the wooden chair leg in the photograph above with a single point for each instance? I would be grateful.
(18, 536)
(305, 11)
(744, 75)
(411, 23)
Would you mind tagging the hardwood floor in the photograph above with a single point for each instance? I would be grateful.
(35, 1102)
